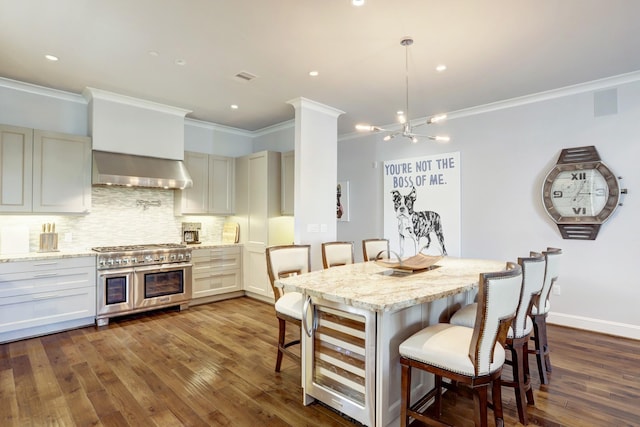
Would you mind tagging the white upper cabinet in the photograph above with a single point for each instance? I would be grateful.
(213, 190)
(287, 177)
(16, 148)
(44, 172)
(61, 172)
(222, 178)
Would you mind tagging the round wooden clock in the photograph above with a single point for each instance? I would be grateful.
(580, 193)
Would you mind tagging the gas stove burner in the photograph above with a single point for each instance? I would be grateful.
(144, 247)
(110, 257)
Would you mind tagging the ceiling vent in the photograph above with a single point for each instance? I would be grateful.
(245, 76)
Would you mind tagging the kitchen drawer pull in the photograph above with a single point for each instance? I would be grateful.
(49, 296)
(45, 275)
(38, 264)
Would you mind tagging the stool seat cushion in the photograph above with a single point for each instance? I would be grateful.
(547, 307)
(447, 347)
(290, 304)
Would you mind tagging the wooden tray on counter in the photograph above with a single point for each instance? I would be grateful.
(414, 264)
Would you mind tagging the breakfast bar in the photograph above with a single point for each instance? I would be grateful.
(354, 318)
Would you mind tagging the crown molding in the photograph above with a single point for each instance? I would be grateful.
(217, 127)
(91, 93)
(591, 86)
(41, 90)
(316, 106)
(274, 128)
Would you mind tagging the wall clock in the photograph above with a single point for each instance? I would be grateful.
(580, 193)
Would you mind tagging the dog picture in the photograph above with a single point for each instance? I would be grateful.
(416, 225)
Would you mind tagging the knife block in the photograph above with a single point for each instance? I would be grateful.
(48, 242)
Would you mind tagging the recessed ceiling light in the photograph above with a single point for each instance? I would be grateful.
(234, 106)
(357, 2)
(180, 62)
(440, 68)
(313, 73)
(153, 53)
(52, 58)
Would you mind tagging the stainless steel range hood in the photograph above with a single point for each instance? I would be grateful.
(139, 171)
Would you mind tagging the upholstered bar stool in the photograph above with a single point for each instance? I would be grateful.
(375, 248)
(518, 335)
(464, 355)
(284, 261)
(539, 312)
(337, 253)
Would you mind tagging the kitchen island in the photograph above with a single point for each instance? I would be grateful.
(356, 316)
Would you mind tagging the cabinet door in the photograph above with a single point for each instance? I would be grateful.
(221, 185)
(288, 168)
(258, 214)
(195, 200)
(16, 147)
(61, 172)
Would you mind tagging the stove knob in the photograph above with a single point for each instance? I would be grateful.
(173, 257)
(162, 257)
(109, 261)
(180, 256)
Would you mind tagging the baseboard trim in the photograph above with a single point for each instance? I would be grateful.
(596, 325)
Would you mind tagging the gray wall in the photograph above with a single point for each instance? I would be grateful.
(505, 152)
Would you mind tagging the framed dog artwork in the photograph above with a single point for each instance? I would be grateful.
(422, 205)
(342, 205)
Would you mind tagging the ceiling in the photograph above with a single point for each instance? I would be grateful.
(494, 50)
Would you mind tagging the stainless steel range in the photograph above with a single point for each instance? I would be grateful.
(142, 277)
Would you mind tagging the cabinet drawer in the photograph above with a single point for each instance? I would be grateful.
(46, 264)
(27, 283)
(45, 308)
(219, 284)
(227, 257)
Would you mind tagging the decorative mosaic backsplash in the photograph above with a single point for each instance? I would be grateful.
(119, 216)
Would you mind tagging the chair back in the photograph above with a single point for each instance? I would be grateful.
(532, 280)
(552, 257)
(337, 253)
(375, 248)
(287, 260)
(498, 299)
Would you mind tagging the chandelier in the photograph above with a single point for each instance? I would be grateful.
(406, 128)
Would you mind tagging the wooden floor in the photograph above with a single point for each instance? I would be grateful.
(212, 365)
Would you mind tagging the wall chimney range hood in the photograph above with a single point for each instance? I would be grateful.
(139, 171)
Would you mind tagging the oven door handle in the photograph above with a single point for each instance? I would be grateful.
(162, 267)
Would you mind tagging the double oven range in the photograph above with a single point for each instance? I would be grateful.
(138, 278)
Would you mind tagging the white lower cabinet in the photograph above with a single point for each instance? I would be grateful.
(217, 273)
(45, 296)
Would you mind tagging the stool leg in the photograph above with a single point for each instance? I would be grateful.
(496, 397)
(540, 341)
(405, 395)
(281, 334)
(480, 402)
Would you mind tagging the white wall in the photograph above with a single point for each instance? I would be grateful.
(505, 154)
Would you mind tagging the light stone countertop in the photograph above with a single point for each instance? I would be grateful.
(212, 245)
(36, 256)
(371, 287)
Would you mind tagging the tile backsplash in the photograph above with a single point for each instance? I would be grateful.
(119, 216)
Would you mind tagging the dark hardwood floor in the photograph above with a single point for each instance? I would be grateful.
(213, 365)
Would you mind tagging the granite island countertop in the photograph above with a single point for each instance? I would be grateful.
(372, 287)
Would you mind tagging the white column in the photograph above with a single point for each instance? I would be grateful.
(316, 172)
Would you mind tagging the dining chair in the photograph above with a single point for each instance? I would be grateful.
(471, 356)
(285, 261)
(519, 333)
(337, 253)
(539, 312)
(375, 248)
